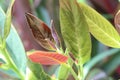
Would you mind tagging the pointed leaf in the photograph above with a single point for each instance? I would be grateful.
(14, 45)
(7, 24)
(100, 28)
(55, 35)
(47, 58)
(41, 32)
(117, 21)
(75, 30)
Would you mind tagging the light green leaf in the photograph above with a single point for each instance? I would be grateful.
(83, 1)
(100, 28)
(74, 30)
(36, 72)
(7, 24)
(64, 72)
(14, 45)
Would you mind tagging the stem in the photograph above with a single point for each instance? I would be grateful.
(74, 74)
(80, 71)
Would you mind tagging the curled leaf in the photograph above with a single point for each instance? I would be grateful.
(41, 32)
(117, 21)
(55, 35)
(47, 58)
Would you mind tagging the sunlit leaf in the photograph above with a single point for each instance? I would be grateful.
(47, 58)
(117, 21)
(74, 30)
(100, 28)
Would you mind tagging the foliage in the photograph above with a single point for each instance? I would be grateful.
(78, 22)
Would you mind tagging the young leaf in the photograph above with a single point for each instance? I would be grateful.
(7, 24)
(100, 28)
(117, 21)
(74, 30)
(41, 32)
(55, 35)
(47, 58)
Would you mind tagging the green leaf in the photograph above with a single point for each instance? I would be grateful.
(64, 72)
(14, 45)
(83, 1)
(10, 73)
(37, 72)
(97, 74)
(98, 58)
(7, 24)
(74, 30)
(100, 28)
(115, 61)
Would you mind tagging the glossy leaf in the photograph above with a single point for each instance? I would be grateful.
(47, 58)
(74, 30)
(14, 45)
(117, 21)
(100, 28)
(36, 72)
(41, 32)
